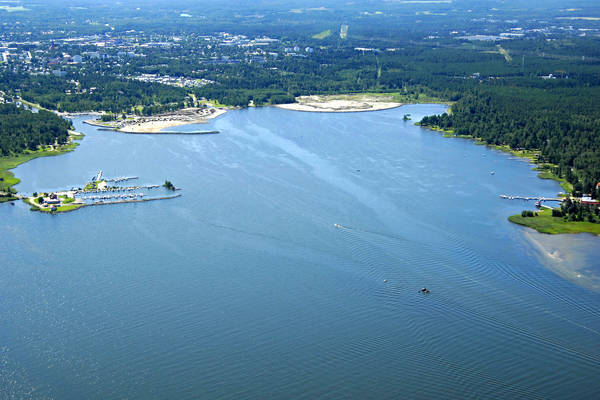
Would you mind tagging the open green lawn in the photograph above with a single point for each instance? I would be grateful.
(322, 35)
(68, 207)
(90, 186)
(546, 223)
(4, 199)
(404, 98)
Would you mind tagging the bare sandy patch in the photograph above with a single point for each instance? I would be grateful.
(340, 103)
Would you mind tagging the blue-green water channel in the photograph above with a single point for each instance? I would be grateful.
(244, 288)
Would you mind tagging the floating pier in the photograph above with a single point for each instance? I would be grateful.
(118, 189)
(121, 179)
(98, 193)
(537, 198)
(113, 196)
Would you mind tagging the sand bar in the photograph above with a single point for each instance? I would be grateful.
(340, 103)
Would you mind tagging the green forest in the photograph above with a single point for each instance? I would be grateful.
(95, 92)
(562, 123)
(22, 130)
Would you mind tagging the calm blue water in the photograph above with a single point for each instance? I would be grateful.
(243, 287)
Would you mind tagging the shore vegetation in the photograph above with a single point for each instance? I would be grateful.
(25, 135)
(543, 221)
(169, 186)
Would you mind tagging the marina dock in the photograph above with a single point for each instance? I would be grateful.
(537, 198)
(118, 189)
(97, 192)
(122, 179)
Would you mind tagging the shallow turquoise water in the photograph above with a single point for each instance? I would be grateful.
(243, 287)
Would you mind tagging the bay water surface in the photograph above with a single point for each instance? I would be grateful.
(243, 287)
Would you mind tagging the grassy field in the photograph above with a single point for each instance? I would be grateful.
(69, 207)
(322, 35)
(447, 132)
(35, 206)
(5, 198)
(504, 52)
(213, 103)
(546, 223)
(34, 105)
(394, 97)
(409, 98)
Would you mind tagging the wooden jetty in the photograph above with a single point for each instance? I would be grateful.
(122, 179)
(118, 189)
(537, 198)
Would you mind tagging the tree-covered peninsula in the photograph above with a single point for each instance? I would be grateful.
(25, 135)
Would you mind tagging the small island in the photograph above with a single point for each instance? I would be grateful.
(169, 186)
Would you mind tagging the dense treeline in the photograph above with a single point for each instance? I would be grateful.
(21, 129)
(497, 86)
(575, 211)
(563, 123)
(94, 92)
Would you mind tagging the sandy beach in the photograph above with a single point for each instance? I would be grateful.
(156, 123)
(340, 103)
(183, 117)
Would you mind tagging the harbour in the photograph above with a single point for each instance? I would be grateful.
(95, 192)
(285, 273)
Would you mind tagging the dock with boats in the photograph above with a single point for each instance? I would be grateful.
(537, 198)
(97, 192)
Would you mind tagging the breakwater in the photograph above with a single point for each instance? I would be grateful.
(538, 198)
(117, 189)
(174, 133)
(102, 203)
(161, 132)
